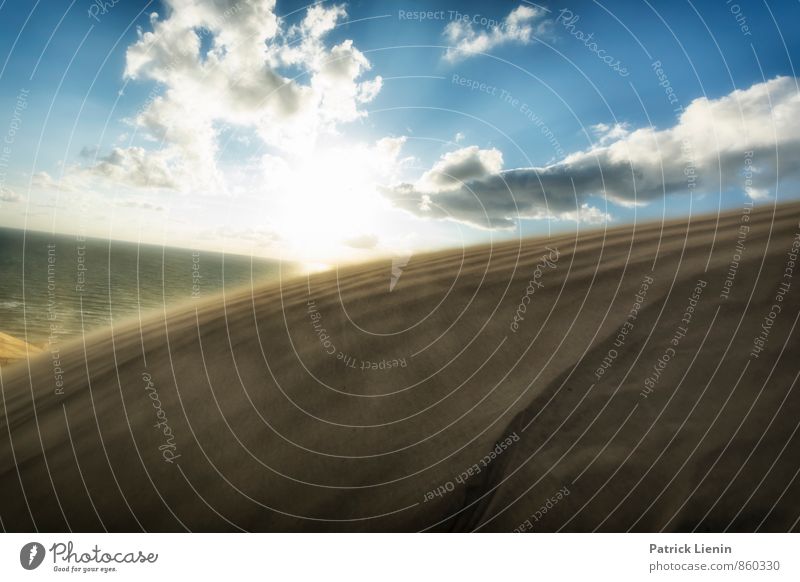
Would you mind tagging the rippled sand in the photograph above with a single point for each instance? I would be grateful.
(492, 389)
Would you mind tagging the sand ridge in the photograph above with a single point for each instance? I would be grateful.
(273, 425)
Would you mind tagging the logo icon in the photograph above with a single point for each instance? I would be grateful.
(398, 264)
(31, 555)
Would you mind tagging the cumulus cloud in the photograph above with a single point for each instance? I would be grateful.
(455, 168)
(389, 148)
(70, 182)
(519, 27)
(747, 140)
(335, 89)
(136, 167)
(585, 214)
(8, 195)
(132, 167)
(220, 64)
(607, 133)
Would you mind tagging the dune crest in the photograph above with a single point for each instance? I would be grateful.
(620, 380)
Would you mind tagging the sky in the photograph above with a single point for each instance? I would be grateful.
(335, 132)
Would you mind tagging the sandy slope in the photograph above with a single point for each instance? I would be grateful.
(13, 349)
(267, 431)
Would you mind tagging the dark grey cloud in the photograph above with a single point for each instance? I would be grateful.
(747, 140)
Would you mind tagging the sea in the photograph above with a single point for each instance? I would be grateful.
(55, 287)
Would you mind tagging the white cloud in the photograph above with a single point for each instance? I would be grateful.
(607, 133)
(585, 214)
(136, 167)
(220, 63)
(747, 140)
(8, 195)
(519, 27)
(389, 148)
(70, 182)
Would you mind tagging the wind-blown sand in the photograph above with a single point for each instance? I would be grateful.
(13, 349)
(265, 430)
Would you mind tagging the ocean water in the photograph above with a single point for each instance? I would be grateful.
(56, 286)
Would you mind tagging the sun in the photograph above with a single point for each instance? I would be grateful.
(330, 197)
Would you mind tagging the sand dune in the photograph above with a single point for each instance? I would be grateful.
(629, 379)
(13, 349)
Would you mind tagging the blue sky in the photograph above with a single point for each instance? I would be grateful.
(468, 125)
